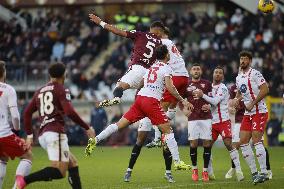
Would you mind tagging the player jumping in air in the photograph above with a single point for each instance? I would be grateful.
(52, 102)
(147, 104)
(180, 81)
(252, 88)
(142, 57)
(221, 124)
(11, 146)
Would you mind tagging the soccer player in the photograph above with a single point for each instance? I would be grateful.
(199, 121)
(180, 81)
(147, 104)
(252, 88)
(237, 114)
(11, 146)
(142, 57)
(53, 101)
(221, 124)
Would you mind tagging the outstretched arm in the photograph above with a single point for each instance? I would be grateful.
(97, 20)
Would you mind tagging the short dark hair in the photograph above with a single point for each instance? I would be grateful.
(161, 52)
(167, 31)
(219, 68)
(158, 24)
(56, 70)
(245, 54)
(196, 64)
(2, 68)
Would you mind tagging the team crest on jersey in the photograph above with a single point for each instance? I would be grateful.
(202, 85)
(66, 154)
(243, 88)
(191, 88)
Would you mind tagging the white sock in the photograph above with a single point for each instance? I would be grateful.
(107, 132)
(158, 134)
(249, 157)
(205, 169)
(128, 169)
(23, 169)
(172, 145)
(210, 165)
(236, 159)
(261, 156)
(168, 171)
(171, 113)
(3, 165)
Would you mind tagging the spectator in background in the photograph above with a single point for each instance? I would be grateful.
(57, 51)
(273, 129)
(98, 119)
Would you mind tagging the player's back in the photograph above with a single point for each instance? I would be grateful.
(206, 87)
(176, 61)
(49, 101)
(8, 99)
(143, 52)
(154, 80)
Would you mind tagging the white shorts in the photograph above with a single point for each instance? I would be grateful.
(134, 76)
(145, 124)
(236, 132)
(57, 150)
(200, 129)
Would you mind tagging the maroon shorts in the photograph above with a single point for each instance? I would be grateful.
(256, 122)
(181, 84)
(146, 107)
(223, 129)
(12, 146)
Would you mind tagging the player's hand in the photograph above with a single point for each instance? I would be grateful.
(95, 18)
(185, 103)
(249, 106)
(29, 143)
(231, 107)
(186, 110)
(197, 93)
(206, 107)
(91, 133)
(235, 102)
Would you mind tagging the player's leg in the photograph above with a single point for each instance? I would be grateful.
(3, 165)
(73, 172)
(206, 136)
(172, 145)
(25, 165)
(259, 122)
(141, 137)
(193, 136)
(131, 79)
(269, 172)
(168, 163)
(57, 148)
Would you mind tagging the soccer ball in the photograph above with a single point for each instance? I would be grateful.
(266, 6)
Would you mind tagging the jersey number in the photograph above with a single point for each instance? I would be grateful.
(175, 50)
(151, 47)
(46, 105)
(152, 75)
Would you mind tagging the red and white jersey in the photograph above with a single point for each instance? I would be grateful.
(154, 80)
(176, 61)
(8, 99)
(220, 112)
(248, 84)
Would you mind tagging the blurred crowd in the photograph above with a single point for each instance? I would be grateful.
(65, 35)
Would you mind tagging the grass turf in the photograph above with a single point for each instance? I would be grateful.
(106, 168)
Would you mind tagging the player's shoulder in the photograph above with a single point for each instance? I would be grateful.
(255, 72)
(167, 42)
(224, 88)
(8, 88)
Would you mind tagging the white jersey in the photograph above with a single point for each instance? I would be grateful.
(248, 84)
(154, 80)
(8, 99)
(176, 61)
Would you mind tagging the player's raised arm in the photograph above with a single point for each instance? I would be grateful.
(13, 107)
(97, 20)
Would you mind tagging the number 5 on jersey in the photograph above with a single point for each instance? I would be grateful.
(46, 105)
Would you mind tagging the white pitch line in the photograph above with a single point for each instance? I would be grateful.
(204, 184)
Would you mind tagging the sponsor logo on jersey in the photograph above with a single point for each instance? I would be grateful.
(243, 88)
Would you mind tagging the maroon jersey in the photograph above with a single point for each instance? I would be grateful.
(52, 102)
(241, 109)
(197, 113)
(143, 52)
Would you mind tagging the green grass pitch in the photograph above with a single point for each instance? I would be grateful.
(105, 169)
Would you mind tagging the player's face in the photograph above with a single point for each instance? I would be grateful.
(168, 57)
(244, 62)
(157, 31)
(196, 72)
(218, 75)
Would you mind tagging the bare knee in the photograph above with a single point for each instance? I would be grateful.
(228, 144)
(194, 143)
(61, 166)
(141, 137)
(165, 128)
(207, 143)
(28, 155)
(72, 161)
